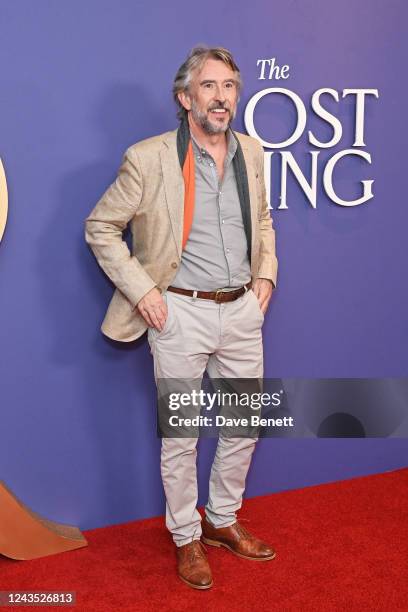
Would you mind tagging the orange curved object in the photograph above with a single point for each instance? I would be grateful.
(3, 200)
(24, 534)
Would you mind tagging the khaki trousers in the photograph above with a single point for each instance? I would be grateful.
(226, 340)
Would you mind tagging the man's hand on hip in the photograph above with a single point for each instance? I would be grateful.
(262, 287)
(153, 309)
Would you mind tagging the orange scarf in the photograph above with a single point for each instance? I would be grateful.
(189, 191)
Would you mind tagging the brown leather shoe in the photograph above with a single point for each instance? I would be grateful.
(193, 567)
(238, 540)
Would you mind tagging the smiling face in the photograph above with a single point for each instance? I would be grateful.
(212, 96)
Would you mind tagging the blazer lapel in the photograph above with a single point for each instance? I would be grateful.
(173, 186)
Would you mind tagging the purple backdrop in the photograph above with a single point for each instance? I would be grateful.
(80, 83)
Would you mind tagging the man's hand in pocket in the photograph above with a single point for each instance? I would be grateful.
(153, 309)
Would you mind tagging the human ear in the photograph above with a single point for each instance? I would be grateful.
(184, 100)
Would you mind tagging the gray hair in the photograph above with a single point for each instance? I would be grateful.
(194, 61)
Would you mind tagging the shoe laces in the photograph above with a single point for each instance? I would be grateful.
(241, 529)
(197, 550)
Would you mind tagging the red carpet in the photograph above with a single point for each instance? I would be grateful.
(340, 546)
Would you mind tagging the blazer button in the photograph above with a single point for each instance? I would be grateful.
(174, 264)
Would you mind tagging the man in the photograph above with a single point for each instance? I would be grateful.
(199, 278)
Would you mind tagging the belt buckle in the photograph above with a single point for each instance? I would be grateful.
(217, 300)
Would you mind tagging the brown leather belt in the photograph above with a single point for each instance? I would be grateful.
(218, 296)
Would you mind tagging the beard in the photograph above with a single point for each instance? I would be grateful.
(204, 122)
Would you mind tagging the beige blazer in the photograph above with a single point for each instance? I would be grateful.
(148, 194)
